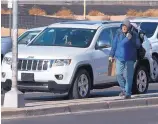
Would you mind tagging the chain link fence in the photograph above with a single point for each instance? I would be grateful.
(29, 21)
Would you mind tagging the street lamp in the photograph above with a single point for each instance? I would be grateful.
(14, 98)
(10, 6)
(84, 10)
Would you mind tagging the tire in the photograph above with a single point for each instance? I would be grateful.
(1, 58)
(80, 92)
(6, 86)
(140, 81)
(155, 68)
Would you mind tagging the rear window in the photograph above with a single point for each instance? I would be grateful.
(149, 28)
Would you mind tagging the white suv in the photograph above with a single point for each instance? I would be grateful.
(71, 57)
(150, 26)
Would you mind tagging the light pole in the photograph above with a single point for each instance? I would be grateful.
(10, 22)
(10, 6)
(84, 10)
(14, 98)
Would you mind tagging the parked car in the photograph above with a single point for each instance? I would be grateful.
(150, 26)
(25, 38)
(6, 44)
(71, 57)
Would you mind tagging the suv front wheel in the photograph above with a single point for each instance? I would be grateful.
(81, 85)
(140, 84)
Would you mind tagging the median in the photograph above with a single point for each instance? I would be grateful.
(70, 106)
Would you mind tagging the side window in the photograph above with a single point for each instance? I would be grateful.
(149, 28)
(24, 38)
(106, 36)
(114, 29)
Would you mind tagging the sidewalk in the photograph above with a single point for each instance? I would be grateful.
(69, 106)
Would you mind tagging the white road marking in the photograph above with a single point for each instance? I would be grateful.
(82, 112)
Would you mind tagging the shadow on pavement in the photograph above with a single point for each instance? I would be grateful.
(37, 97)
(65, 96)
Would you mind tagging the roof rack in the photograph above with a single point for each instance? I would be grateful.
(85, 22)
(133, 17)
(111, 22)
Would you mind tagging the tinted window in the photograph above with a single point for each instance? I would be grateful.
(138, 23)
(114, 29)
(69, 37)
(149, 28)
(29, 35)
(106, 36)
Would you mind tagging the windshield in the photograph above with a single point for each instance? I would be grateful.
(67, 37)
(27, 36)
(149, 28)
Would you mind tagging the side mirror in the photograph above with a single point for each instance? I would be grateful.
(102, 44)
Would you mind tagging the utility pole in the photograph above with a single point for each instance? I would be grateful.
(14, 45)
(14, 98)
(10, 23)
(84, 10)
(10, 6)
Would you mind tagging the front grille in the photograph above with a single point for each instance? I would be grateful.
(34, 65)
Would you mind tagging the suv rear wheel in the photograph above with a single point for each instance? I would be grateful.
(81, 86)
(155, 68)
(140, 84)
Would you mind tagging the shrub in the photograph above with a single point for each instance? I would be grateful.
(96, 13)
(140, 13)
(131, 12)
(64, 12)
(149, 12)
(37, 11)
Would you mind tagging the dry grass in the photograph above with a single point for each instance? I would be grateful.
(131, 12)
(96, 13)
(37, 11)
(3, 11)
(97, 18)
(65, 12)
(5, 31)
(149, 12)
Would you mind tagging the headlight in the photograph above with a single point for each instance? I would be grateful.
(7, 60)
(60, 62)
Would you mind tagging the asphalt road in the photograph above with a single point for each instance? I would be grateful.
(114, 91)
(146, 115)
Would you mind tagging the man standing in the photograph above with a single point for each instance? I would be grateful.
(124, 49)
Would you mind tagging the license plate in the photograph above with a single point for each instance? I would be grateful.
(27, 76)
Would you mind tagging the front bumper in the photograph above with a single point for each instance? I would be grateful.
(50, 86)
(41, 76)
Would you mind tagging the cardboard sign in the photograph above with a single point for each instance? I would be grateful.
(112, 68)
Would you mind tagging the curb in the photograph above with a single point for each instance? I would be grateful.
(7, 113)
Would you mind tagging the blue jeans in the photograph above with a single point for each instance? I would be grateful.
(125, 81)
